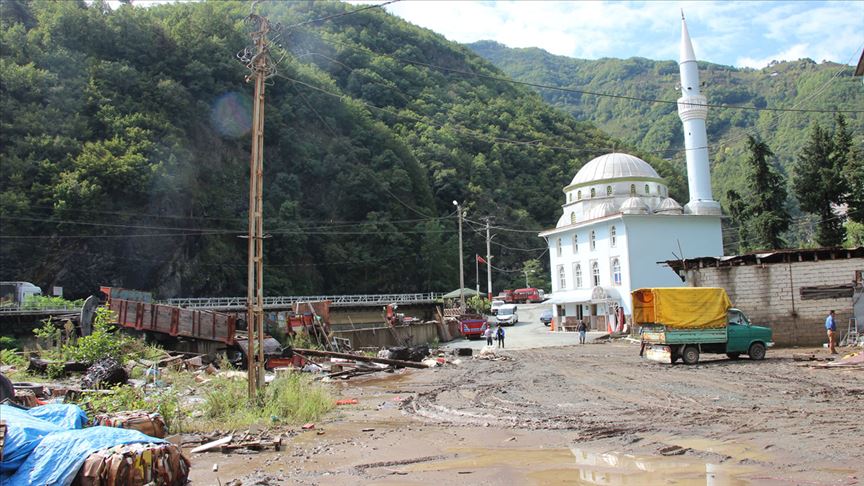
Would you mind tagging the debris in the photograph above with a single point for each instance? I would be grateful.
(393, 362)
(510, 439)
(368, 430)
(308, 426)
(151, 424)
(215, 467)
(347, 401)
(154, 463)
(413, 353)
(104, 373)
(212, 445)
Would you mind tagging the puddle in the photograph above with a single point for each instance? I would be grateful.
(579, 466)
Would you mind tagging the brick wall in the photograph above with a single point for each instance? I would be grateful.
(770, 295)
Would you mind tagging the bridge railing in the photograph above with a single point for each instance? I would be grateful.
(39, 307)
(335, 300)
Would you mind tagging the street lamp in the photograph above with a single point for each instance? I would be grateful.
(461, 261)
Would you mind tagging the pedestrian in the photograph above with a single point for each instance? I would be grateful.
(500, 334)
(831, 327)
(582, 328)
(488, 335)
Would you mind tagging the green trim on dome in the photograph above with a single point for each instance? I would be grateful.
(616, 179)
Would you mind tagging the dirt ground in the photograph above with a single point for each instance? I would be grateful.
(593, 414)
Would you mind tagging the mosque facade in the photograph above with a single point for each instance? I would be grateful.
(618, 222)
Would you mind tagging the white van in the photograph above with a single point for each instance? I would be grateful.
(507, 315)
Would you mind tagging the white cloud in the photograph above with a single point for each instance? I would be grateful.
(738, 32)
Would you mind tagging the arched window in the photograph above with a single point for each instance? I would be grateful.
(616, 272)
(569, 197)
(612, 237)
(658, 189)
(595, 273)
(593, 192)
(647, 190)
(573, 217)
(558, 246)
(577, 275)
(562, 279)
(593, 241)
(575, 243)
(608, 190)
(632, 190)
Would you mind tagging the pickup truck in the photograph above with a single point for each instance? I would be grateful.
(683, 323)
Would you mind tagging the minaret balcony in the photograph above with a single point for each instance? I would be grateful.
(692, 107)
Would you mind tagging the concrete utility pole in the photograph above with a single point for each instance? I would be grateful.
(461, 260)
(488, 262)
(261, 68)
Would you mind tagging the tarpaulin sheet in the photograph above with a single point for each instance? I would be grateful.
(681, 307)
(65, 415)
(23, 434)
(59, 456)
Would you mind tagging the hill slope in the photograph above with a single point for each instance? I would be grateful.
(125, 151)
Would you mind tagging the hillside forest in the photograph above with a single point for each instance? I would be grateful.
(125, 140)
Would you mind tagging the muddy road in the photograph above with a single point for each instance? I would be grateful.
(593, 414)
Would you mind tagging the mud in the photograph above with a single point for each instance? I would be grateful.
(593, 414)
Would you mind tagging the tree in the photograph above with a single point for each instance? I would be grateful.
(533, 271)
(819, 183)
(854, 173)
(761, 213)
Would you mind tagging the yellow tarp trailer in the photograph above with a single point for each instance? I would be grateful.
(681, 307)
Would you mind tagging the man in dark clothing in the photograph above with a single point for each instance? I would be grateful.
(582, 328)
(500, 335)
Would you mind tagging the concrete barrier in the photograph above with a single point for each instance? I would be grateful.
(382, 337)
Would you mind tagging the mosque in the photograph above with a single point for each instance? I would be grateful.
(618, 222)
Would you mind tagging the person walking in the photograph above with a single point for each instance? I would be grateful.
(488, 335)
(831, 327)
(500, 334)
(582, 328)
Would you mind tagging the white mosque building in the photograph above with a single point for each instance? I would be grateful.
(619, 221)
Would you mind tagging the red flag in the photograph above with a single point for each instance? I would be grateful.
(480, 259)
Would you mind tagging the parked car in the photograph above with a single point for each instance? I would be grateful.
(546, 317)
(507, 315)
(496, 304)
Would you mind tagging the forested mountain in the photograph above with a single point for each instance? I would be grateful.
(125, 149)
(655, 127)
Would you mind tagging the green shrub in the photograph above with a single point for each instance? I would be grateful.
(8, 342)
(10, 357)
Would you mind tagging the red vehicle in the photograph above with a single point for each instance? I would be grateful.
(527, 295)
(472, 326)
(506, 296)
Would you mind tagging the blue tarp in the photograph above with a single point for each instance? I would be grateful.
(23, 434)
(64, 415)
(57, 458)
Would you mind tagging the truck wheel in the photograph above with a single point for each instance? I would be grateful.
(733, 355)
(690, 355)
(757, 351)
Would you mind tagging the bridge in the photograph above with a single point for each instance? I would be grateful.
(229, 304)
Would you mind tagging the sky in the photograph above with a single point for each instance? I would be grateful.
(737, 33)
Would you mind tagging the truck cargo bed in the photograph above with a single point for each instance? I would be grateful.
(658, 334)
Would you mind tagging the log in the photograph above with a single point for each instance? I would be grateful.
(333, 354)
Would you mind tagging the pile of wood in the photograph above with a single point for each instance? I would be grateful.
(247, 441)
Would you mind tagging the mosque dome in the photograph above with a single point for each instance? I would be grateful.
(634, 205)
(614, 166)
(603, 209)
(669, 206)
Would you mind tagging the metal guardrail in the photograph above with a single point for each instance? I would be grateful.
(39, 309)
(335, 300)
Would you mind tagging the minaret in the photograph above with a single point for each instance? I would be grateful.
(693, 111)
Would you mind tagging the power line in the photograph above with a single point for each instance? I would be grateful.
(336, 16)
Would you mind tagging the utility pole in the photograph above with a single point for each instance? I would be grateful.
(488, 263)
(461, 260)
(259, 63)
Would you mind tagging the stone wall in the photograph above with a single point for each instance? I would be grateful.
(770, 295)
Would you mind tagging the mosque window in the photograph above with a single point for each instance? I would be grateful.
(577, 275)
(593, 192)
(632, 190)
(616, 271)
(558, 246)
(570, 197)
(595, 273)
(562, 279)
(647, 189)
(579, 195)
(613, 239)
(608, 190)
(658, 189)
(593, 241)
(575, 243)
(573, 217)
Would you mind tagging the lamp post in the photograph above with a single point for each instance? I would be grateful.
(461, 261)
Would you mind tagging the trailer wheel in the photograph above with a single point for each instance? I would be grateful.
(733, 355)
(690, 355)
(757, 351)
